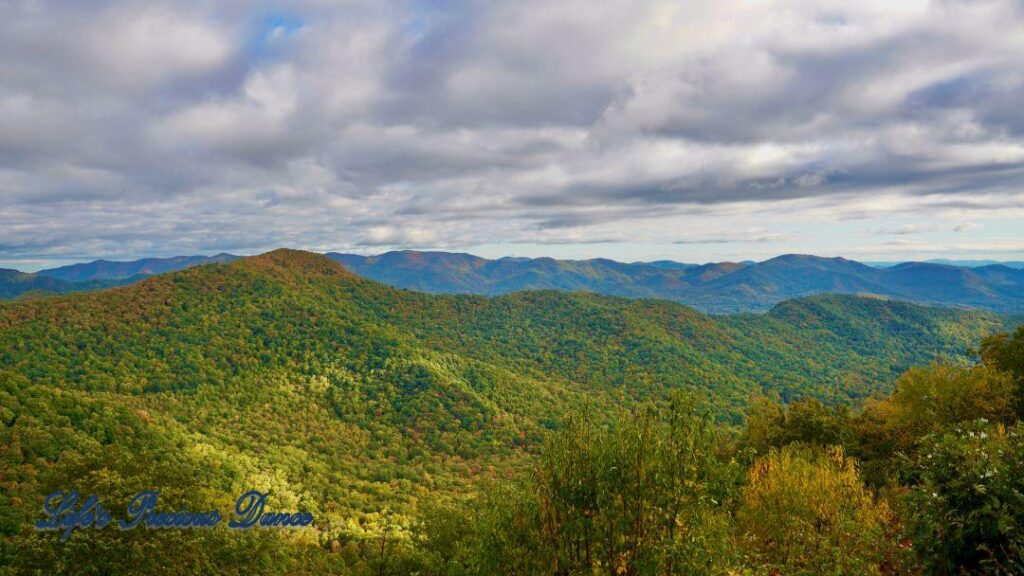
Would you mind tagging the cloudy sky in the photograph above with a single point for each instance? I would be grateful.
(695, 130)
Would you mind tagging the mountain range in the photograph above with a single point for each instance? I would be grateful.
(94, 275)
(456, 374)
(344, 397)
(109, 270)
(962, 263)
(14, 283)
(723, 287)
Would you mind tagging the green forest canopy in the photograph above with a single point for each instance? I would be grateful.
(371, 406)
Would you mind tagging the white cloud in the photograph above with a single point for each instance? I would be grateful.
(135, 46)
(193, 125)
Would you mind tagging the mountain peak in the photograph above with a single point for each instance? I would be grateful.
(287, 261)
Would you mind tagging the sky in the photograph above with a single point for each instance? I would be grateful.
(698, 130)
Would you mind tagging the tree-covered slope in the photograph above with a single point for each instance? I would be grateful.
(206, 324)
(344, 396)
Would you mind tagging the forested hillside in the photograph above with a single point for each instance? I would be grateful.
(368, 405)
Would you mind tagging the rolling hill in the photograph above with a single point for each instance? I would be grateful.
(381, 393)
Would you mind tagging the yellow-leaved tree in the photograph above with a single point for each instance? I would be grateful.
(806, 511)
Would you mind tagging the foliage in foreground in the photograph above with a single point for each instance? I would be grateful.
(659, 493)
(966, 513)
(807, 512)
(647, 494)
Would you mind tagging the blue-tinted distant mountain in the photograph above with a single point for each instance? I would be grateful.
(722, 287)
(793, 276)
(717, 287)
(1000, 273)
(959, 263)
(95, 275)
(977, 263)
(14, 283)
(443, 272)
(951, 285)
(108, 270)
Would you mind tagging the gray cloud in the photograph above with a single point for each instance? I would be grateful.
(755, 236)
(130, 129)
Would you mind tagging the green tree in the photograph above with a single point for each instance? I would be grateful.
(967, 512)
(648, 494)
(928, 400)
(773, 425)
(1006, 352)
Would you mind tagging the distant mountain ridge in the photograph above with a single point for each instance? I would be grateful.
(721, 287)
(14, 283)
(960, 263)
(724, 287)
(109, 270)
